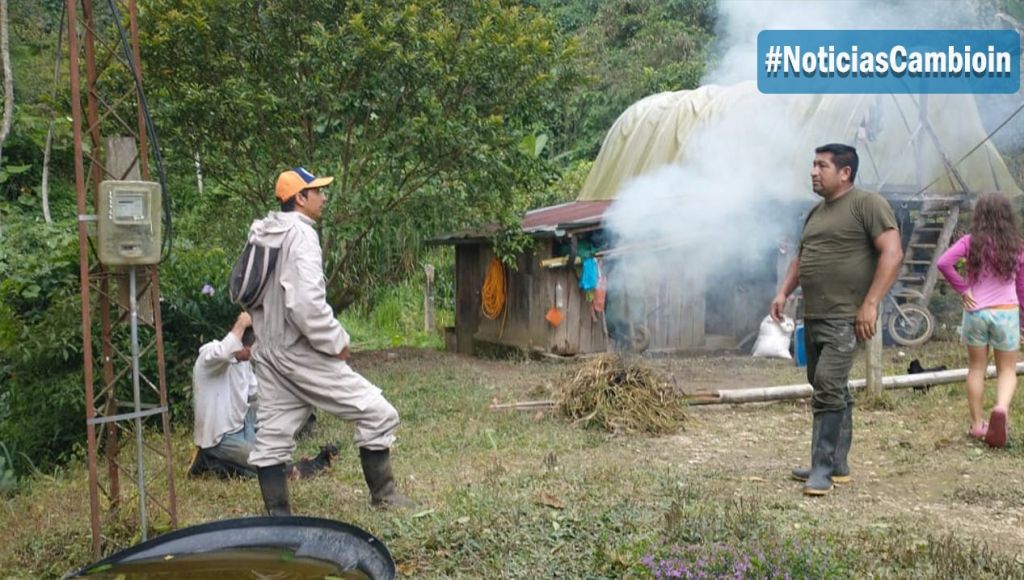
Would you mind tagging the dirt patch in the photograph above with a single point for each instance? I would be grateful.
(915, 464)
(693, 374)
(911, 458)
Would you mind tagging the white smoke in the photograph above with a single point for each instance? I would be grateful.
(715, 207)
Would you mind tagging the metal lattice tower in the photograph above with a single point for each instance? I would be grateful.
(127, 416)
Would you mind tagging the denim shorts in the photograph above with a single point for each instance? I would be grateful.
(999, 329)
(236, 447)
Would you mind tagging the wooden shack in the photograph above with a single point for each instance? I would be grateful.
(530, 287)
(676, 314)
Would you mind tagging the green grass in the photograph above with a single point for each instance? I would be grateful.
(395, 319)
(524, 496)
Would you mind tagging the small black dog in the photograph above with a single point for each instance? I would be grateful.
(916, 368)
(309, 468)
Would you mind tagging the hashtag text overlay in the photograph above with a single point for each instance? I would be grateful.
(889, 61)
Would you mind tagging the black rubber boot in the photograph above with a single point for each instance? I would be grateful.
(827, 424)
(802, 473)
(199, 463)
(380, 480)
(840, 468)
(308, 428)
(274, 487)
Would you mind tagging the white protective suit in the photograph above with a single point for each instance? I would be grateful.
(297, 338)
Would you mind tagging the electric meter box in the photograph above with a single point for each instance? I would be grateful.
(128, 223)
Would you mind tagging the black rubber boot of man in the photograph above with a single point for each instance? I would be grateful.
(827, 426)
(379, 478)
(274, 487)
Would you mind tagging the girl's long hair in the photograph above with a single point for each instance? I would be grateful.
(996, 239)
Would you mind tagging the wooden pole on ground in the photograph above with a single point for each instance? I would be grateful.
(786, 392)
(874, 358)
(781, 393)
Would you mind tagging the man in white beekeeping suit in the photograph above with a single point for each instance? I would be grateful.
(300, 357)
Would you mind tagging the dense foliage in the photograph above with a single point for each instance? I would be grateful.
(420, 109)
(630, 49)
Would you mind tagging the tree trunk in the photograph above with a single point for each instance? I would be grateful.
(5, 56)
(44, 186)
(199, 171)
(8, 85)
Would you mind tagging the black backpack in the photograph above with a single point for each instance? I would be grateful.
(249, 276)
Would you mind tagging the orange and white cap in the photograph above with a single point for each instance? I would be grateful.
(295, 180)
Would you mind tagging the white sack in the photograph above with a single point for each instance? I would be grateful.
(773, 338)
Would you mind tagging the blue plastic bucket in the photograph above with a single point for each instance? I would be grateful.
(799, 346)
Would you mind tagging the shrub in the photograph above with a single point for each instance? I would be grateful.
(41, 396)
(42, 400)
(8, 481)
(194, 310)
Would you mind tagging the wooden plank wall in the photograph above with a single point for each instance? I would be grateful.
(487, 330)
(592, 330)
(531, 293)
(582, 330)
(751, 304)
(675, 313)
(511, 328)
(674, 310)
(468, 278)
(542, 296)
(693, 286)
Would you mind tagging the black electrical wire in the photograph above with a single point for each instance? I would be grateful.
(150, 131)
(973, 149)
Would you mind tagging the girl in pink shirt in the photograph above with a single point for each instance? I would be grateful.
(992, 294)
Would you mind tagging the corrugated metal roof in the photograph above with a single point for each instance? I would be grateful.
(555, 219)
(468, 235)
(566, 216)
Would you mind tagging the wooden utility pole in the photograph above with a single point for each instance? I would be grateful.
(874, 358)
(428, 299)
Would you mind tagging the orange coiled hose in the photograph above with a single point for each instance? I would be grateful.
(492, 296)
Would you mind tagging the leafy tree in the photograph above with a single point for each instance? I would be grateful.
(418, 108)
(33, 31)
(631, 49)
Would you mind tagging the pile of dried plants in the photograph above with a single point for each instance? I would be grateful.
(621, 394)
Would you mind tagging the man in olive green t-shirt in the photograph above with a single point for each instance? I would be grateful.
(850, 254)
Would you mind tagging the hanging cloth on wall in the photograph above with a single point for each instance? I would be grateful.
(601, 292)
(588, 279)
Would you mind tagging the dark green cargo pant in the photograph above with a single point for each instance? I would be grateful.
(830, 347)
